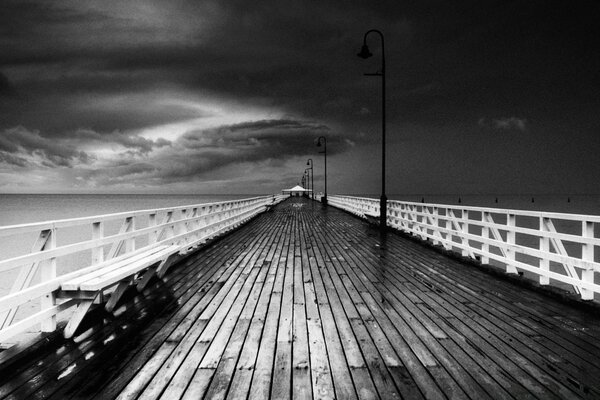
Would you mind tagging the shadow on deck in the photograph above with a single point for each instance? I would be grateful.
(310, 303)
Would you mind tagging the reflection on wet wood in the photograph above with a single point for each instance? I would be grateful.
(310, 303)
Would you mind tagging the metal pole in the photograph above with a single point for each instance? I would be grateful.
(383, 200)
(311, 176)
(365, 53)
(324, 198)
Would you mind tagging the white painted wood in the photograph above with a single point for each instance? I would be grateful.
(544, 262)
(587, 275)
(453, 233)
(510, 240)
(485, 234)
(24, 278)
(48, 272)
(34, 319)
(113, 276)
(465, 231)
(117, 294)
(181, 235)
(153, 235)
(97, 233)
(75, 283)
(77, 317)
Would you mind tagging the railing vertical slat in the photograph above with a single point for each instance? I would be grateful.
(130, 243)
(97, 233)
(449, 235)
(587, 254)
(25, 277)
(498, 241)
(47, 272)
(465, 231)
(511, 221)
(485, 234)
(153, 235)
(545, 247)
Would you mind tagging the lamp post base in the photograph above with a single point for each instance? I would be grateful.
(324, 200)
(383, 212)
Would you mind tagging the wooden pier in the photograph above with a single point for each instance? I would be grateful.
(307, 302)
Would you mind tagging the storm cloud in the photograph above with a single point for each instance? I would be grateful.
(152, 92)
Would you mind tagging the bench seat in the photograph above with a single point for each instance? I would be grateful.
(123, 272)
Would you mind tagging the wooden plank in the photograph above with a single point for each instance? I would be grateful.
(376, 317)
(281, 384)
(322, 383)
(512, 342)
(213, 285)
(180, 370)
(131, 367)
(260, 387)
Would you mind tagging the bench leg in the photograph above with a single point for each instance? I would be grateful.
(165, 265)
(146, 278)
(116, 295)
(77, 317)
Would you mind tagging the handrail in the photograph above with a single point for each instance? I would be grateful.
(186, 226)
(549, 249)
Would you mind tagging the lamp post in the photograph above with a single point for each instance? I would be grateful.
(324, 198)
(307, 180)
(365, 53)
(312, 176)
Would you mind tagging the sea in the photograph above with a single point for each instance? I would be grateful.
(18, 209)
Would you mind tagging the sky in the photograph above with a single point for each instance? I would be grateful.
(195, 96)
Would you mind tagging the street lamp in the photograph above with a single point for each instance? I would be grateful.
(307, 180)
(324, 198)
(365, 53)
(312, 176)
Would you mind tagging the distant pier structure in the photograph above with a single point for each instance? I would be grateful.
(297, 191)
(227, 301)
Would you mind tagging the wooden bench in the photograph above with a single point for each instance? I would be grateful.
(123, 272)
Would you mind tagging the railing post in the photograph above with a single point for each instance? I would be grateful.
(436, 226)
(170, 229)
(485, 234)
(449, 236)
(183, 226)
(544, 262)
(97, 233)
(587, 254)
(48, 271)
(153, 235)
(465, 232)
(130, 243)
(510, 241)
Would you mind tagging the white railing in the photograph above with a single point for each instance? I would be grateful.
(552, 246)
(65, 249)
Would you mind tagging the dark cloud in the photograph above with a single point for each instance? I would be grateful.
(139, 144)
(6, 88)
(95, 74)
(198, 153)
(12, 160)
(19, 140)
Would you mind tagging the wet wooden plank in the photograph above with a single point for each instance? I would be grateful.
(308, 303)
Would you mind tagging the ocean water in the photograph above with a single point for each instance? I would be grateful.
(23, 208)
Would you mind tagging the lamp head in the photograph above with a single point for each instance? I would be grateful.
(364, 52)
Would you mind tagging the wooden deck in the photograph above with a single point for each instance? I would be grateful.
(306, 303)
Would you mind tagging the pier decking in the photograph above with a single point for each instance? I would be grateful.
(306, 302)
